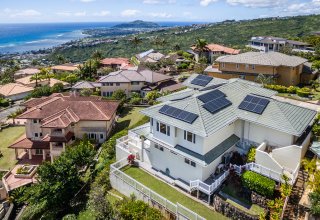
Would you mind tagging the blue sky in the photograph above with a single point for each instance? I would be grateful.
(24, 11)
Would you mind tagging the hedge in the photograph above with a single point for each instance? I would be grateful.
(258, 183)
(304, 92)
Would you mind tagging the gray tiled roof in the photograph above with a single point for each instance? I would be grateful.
(86, 85)
(263, 58)
(280, 116)
(214, 81)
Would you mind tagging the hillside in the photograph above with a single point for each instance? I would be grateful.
(230, 33)
(137, 24)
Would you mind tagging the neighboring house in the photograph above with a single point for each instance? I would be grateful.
(68, 67)
(56, 121)
(26, 72)
(15, 91)
(267, 43)
(115, 63)
(284, 69)
(150, 56)
(193, 134)
(212, 51)
(86, 85)
(32, 83)
(131, 81)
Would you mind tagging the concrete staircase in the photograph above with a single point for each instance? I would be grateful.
(293, 211)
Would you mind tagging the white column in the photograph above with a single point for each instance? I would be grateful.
(44, 155)
(30, 154)
(64, 146)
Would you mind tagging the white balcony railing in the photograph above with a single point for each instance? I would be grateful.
(208, 189)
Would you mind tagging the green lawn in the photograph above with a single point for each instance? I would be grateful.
(128, 117)
(171, 194)
(7, 137)
(233, 192)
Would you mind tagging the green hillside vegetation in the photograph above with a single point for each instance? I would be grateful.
(137, 24)
(232, 33)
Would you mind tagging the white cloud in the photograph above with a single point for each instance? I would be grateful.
(21, 13)
(207, 2)
(102, 13)
(160, 15)
(86, 1)
(257, 3)
(157, 2)
(80, 14)
(130, 13)
(312, 7)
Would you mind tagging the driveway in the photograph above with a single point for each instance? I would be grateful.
(5, 113)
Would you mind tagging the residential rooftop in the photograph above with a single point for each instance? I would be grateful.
(11, 89)
(263, 58)
(280, 116)
(219, 48)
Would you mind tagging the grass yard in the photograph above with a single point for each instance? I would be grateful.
(129, 117)
(7, 137)
(172, 194)
(250, 208)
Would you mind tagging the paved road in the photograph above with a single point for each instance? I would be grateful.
(5, 113)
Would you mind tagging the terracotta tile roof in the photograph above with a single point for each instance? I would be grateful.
(14, 89)
(27, 81)
(115, 61)
(66, 67)
(61, 119)
(220, 48)
(60, 110)
(66, 138)
(24, 143)
(27, 71)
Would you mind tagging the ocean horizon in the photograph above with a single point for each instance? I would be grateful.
(19, 38)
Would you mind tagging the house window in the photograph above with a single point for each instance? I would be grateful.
(39, 152)
(253, 66)
(193, 164)
(247, 66)
(134, 83)
(101, 136)
(40, 134)
(186, 160)
(36, 134)
(117, 84)
(158, 147)
(163, 128)
(35, 121)
(189, 136)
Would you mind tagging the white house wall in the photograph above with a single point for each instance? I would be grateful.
(259, 134)
(161, 160)
(288, 156)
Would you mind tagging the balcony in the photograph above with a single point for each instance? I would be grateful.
(57, 149)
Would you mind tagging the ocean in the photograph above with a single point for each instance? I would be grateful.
(26, 37)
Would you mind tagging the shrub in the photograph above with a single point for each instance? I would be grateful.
(258, 183)
(183, 66)
(4, 102)
(251, 155)
(315, 203)
(292, 89)
(135, 101)
(304, 92)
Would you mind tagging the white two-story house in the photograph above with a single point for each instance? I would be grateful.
(54, 122)
(193, 133)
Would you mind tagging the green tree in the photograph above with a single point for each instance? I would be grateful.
(57, 87)
(176, 47)
(86, 92)
(136, 41)
(46, 74)
(72, 78)
(119, 95)
(316, 65)
(200, 46)
(315, 203)
(36, 77)
(60, 59)
(97, 55)
(152, 96)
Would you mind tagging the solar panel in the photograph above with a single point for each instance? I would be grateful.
(254, 104)
(178, 114)
(211, 96)
(217, 105)
(201, 80)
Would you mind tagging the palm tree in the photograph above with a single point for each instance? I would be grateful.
(60, 59)
(201, 45)
(13, 116)
(46, 74)
(136, 41)
(97, 55)
(36, 77)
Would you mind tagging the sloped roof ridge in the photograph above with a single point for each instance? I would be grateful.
(72, 113)
(97, 107)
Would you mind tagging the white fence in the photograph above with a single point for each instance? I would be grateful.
(127, 185)
(208, 189)
(267, 172)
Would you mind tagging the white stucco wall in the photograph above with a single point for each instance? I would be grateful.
(161, 160)
(260, 134)
(289, 156)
